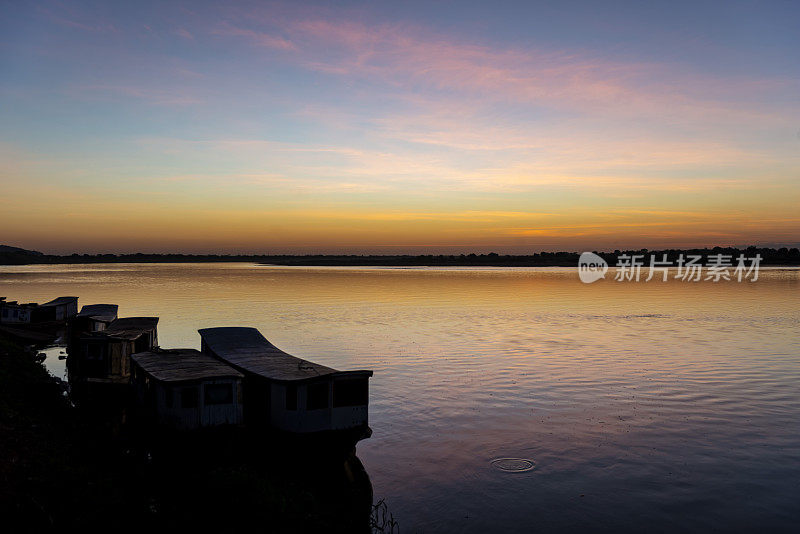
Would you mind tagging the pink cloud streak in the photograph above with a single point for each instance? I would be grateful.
(411, 58)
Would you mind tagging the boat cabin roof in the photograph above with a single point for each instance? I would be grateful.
(100, 312)
(181, 365)
(133, 323)
(129, 328)
(60, 301)
(247, 350)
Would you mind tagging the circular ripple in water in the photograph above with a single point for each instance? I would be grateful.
(512, 465)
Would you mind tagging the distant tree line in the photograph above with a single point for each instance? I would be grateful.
(770, 256)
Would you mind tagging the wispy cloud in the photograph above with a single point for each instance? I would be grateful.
(153, 95)
(408, 58)
(81, 21)
(258, 38)
(186, 34)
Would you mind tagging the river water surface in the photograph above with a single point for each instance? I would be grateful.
(518, 400)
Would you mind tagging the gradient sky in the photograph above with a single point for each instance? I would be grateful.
(398, 126)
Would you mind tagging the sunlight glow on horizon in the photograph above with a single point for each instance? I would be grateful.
(271, 128)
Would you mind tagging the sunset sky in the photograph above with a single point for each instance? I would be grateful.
(389, 127)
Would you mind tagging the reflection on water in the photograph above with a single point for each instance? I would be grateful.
(55, 360)
(220, 481)
(669, 404)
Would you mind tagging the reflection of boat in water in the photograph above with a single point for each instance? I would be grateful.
(218, 479)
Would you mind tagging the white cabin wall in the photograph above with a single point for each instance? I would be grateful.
(202, 415)
(349, 417)
(15, 315)
(302, 419)
(221, 414)
(313, 420)
(175, 416)
(280, 417)
(65, 311)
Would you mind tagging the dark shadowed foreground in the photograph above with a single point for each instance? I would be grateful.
(66, 469)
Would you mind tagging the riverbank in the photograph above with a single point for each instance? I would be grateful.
(65, 468)
(769, 256)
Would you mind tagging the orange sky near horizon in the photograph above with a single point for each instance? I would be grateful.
(363, 129)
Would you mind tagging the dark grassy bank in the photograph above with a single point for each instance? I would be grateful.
(770, 256)
(69, 469)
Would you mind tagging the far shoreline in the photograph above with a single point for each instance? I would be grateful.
(772, 257)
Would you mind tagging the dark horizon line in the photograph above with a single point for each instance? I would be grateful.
(18, 256)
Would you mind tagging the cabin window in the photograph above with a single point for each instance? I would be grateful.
(218, 394)
(317, 396)
(189, 397)
(291, 396)
(350, 393)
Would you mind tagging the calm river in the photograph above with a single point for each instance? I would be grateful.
(641, 406)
